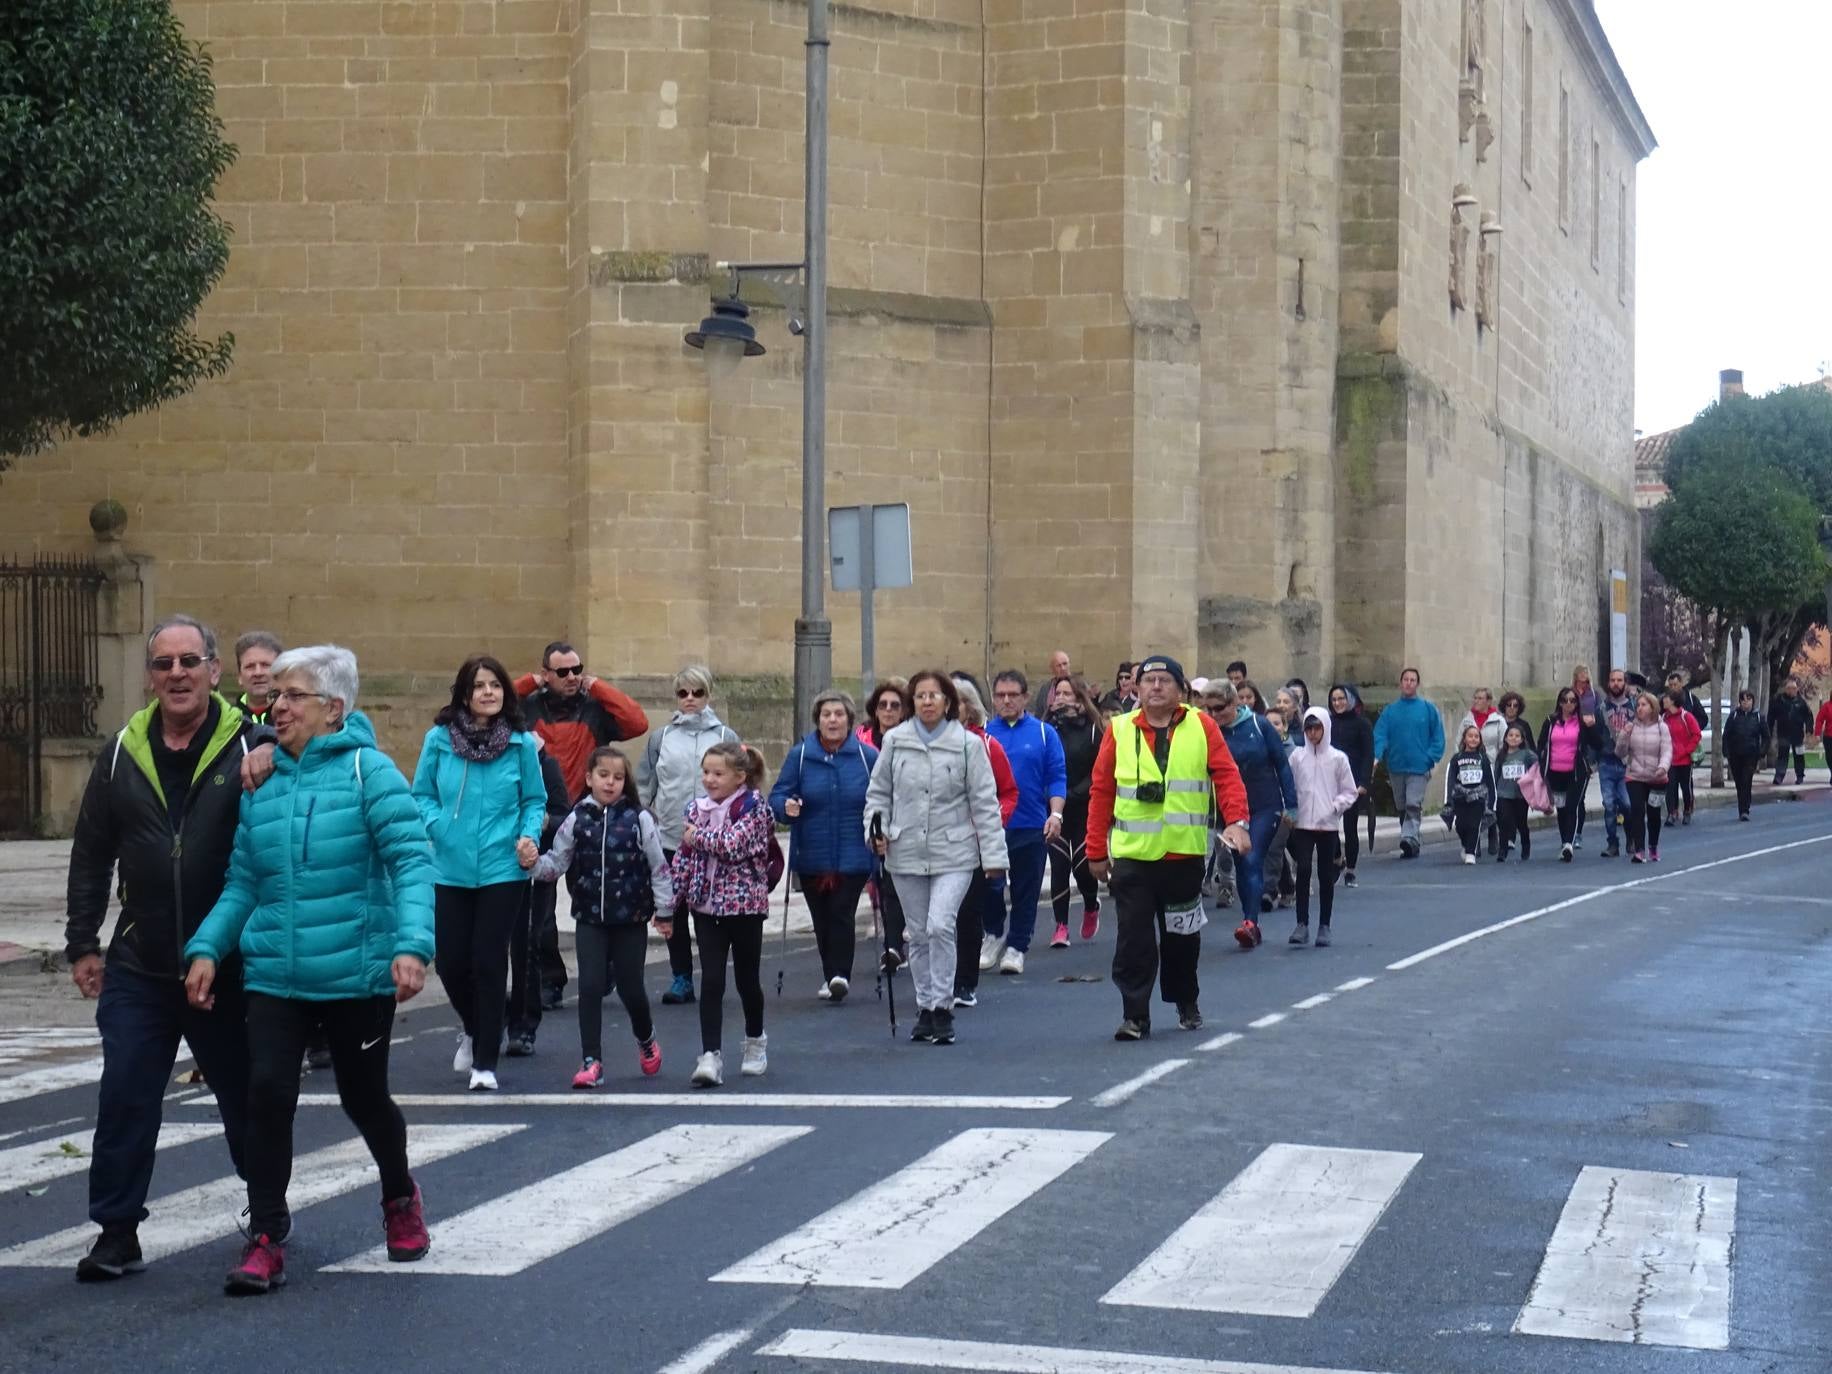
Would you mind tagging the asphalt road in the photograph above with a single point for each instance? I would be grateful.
(1606, 1119)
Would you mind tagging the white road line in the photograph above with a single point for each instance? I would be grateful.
(1354, 985)
(49, 1080)
(1275, 1239)
(697, 1099)
(1468, 936)
(1222, 1041)
(922, 1352)
(208, 1212)
(522, 1228)
(1309, 1003)
(708, 1352)
(1638, 1257)
(1119, 1092)
(891, 1232)
(27, 1166)
(1271, 1018)
(44, 1128)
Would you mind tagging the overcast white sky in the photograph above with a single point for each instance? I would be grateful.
(1734, 225)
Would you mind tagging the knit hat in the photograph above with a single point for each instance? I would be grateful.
(1160, 663)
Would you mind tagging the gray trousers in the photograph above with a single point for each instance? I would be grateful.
(931, 902)
(1409, 798)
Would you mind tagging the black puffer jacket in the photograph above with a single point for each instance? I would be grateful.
(1350, 732)
(1745, 734)
(1080, 743)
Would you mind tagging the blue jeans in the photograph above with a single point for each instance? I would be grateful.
(1612, 778)
(1028, 857)
(1250, 872)
(141, 1019)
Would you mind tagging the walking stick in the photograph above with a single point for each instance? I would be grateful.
(886, 982)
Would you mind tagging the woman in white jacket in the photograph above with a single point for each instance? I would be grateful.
(932, 812)
(1325, 786)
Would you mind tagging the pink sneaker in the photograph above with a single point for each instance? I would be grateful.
(590, 1075)
(263, 1268)
(404, 1223)
(649, 1055)
(1653, 856)
(1061, 938)
(1090, 923)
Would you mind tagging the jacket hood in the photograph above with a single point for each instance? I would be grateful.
(357, 733)
(1318, 714)
(703, 719)
(1352, 692)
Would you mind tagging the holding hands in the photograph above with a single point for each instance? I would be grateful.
(526, 854)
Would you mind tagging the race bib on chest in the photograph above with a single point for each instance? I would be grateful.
(1470, 775)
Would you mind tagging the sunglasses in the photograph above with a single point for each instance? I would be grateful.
(689, 693)
(572, 671)
(189, 662)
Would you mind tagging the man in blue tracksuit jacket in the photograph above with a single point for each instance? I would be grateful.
(1409, 739)
(1035, 752)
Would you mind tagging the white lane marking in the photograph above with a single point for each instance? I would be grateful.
(1468, 936)
(27, 1166)
(1638, 1257)
(708, 1352)
(887, 1234)
(1311, 1002)
(1276, 1239)
(922, 1352)
(697, 1099)
(208, 1212)
(1354, 985)
(522, 1228)
(1271, 1018)
(50, 1080)
(1222, 1041)
(44, 1128)
(1119, 1092)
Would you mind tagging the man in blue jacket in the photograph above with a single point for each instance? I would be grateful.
(1409, 739)
(1034, 750)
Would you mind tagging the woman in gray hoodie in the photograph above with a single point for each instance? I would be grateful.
(670, 778)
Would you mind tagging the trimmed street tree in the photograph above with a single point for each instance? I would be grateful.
(110, 149)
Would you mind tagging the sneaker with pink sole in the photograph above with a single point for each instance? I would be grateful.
(1090, 923)
(649, 1055)
(590, 1075)
(263, 1268)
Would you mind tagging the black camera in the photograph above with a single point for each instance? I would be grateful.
(1151, 793)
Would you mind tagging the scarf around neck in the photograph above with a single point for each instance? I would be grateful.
(710, 817)
(478, 741)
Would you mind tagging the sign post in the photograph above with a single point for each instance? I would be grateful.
(870, 548)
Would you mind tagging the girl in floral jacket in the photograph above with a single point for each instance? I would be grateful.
(721, 875)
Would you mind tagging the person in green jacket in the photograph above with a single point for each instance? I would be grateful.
(479, 788)
(329, 901)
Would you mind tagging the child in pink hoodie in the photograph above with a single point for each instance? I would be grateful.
(1325, 786)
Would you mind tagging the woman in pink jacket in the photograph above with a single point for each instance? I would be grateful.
(1325, 785)
(1646, 750)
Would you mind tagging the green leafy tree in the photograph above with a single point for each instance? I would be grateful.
(1789, 430)
(109, 151)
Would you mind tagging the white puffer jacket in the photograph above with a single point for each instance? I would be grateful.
(937, 802)
(670, 774)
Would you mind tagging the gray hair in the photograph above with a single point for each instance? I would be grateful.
(1221, 688)
(833, 694)
(973, 710)
(184, 622)
(258, 639)
(330, 668)
(695, 675)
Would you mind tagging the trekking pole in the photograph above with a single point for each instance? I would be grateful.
(886, 981)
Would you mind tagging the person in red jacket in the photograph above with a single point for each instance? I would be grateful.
(1822, 726)
(1682, 725)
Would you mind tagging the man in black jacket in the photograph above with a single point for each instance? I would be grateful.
(1790, 718)
(162, 802)
(1687, 699)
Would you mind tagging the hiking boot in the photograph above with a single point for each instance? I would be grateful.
(263, 1268)
(837, 988)
(1189, 1016)
(756, 1056)
(461, 1061)
(649, 1055)
(116, 1252)
(679, 991)
(966, 997)
(1060, 940)
(1300, 936)
(708, 1070)
(924, 1029)
(1133, 1030)
(1012, 961)
(1323, 936)
(519, 1046)
(1090, 923)
(1613, 852)
(991, 952)
(404, 1223)
(942, 1028)
(590, 1075)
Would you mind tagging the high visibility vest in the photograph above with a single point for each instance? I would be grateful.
(1180, 823)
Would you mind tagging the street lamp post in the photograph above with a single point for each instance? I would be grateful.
(802, 287)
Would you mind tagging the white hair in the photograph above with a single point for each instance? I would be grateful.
(330, 668)
(972, 710)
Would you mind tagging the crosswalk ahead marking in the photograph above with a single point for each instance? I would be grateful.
(886, 1235)
(1276, 1239)
(208, 1212)
(27, 1166)
(1638, 1257)
(517, 1230)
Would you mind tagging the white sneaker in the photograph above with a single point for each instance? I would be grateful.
(991, 952)
(825, 994)
(461, 1061)
(837, 988)
(1469, 858)
(1013, 962)
(483, 1081)
(756, 1056)
(708, 1070)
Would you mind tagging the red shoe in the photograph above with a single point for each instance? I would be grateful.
(1247, 934)
(590, 1075)
(404, 1223)
(649, 1055)
(1090, 923)
(263, 1268)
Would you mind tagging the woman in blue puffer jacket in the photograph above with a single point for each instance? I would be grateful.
(479, 787)
(330, 901)
(820, 795)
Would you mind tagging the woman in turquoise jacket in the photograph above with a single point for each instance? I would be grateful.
(479, 787)
(330, 901)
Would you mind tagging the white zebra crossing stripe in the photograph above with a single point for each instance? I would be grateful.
(49, 1080)
(1638, 1257)
(701, 1099)
(27, 1166)
(510, 1233)
(891, 1232)
(923, 1352)
(208, 1212)
(1276, 1239)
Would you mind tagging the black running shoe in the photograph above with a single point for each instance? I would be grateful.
(116, 1252)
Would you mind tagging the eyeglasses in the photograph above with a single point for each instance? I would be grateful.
(293, 697)
(687, 693)
(189, 662)
(571, 670)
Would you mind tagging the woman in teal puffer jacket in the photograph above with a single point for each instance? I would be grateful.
(329, 899)
(479, 787)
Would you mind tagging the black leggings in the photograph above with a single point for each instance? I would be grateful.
(970, 935)
(680, 943)
(1511, 814)
(606, 952)
(1322, 844)
(1351, 836)
(1679, 788)
(742, 938)
(471, 928)
(358, 1031)
(833, 909)
(1743, 772)
(1570, 786)
(1468, 818)
(1643, 816)
(1069, 858)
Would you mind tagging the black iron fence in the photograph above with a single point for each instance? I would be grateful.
(49, 672)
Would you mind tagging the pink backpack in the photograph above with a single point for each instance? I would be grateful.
(1533, 788)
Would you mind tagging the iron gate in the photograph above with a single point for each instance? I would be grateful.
(49, 672)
